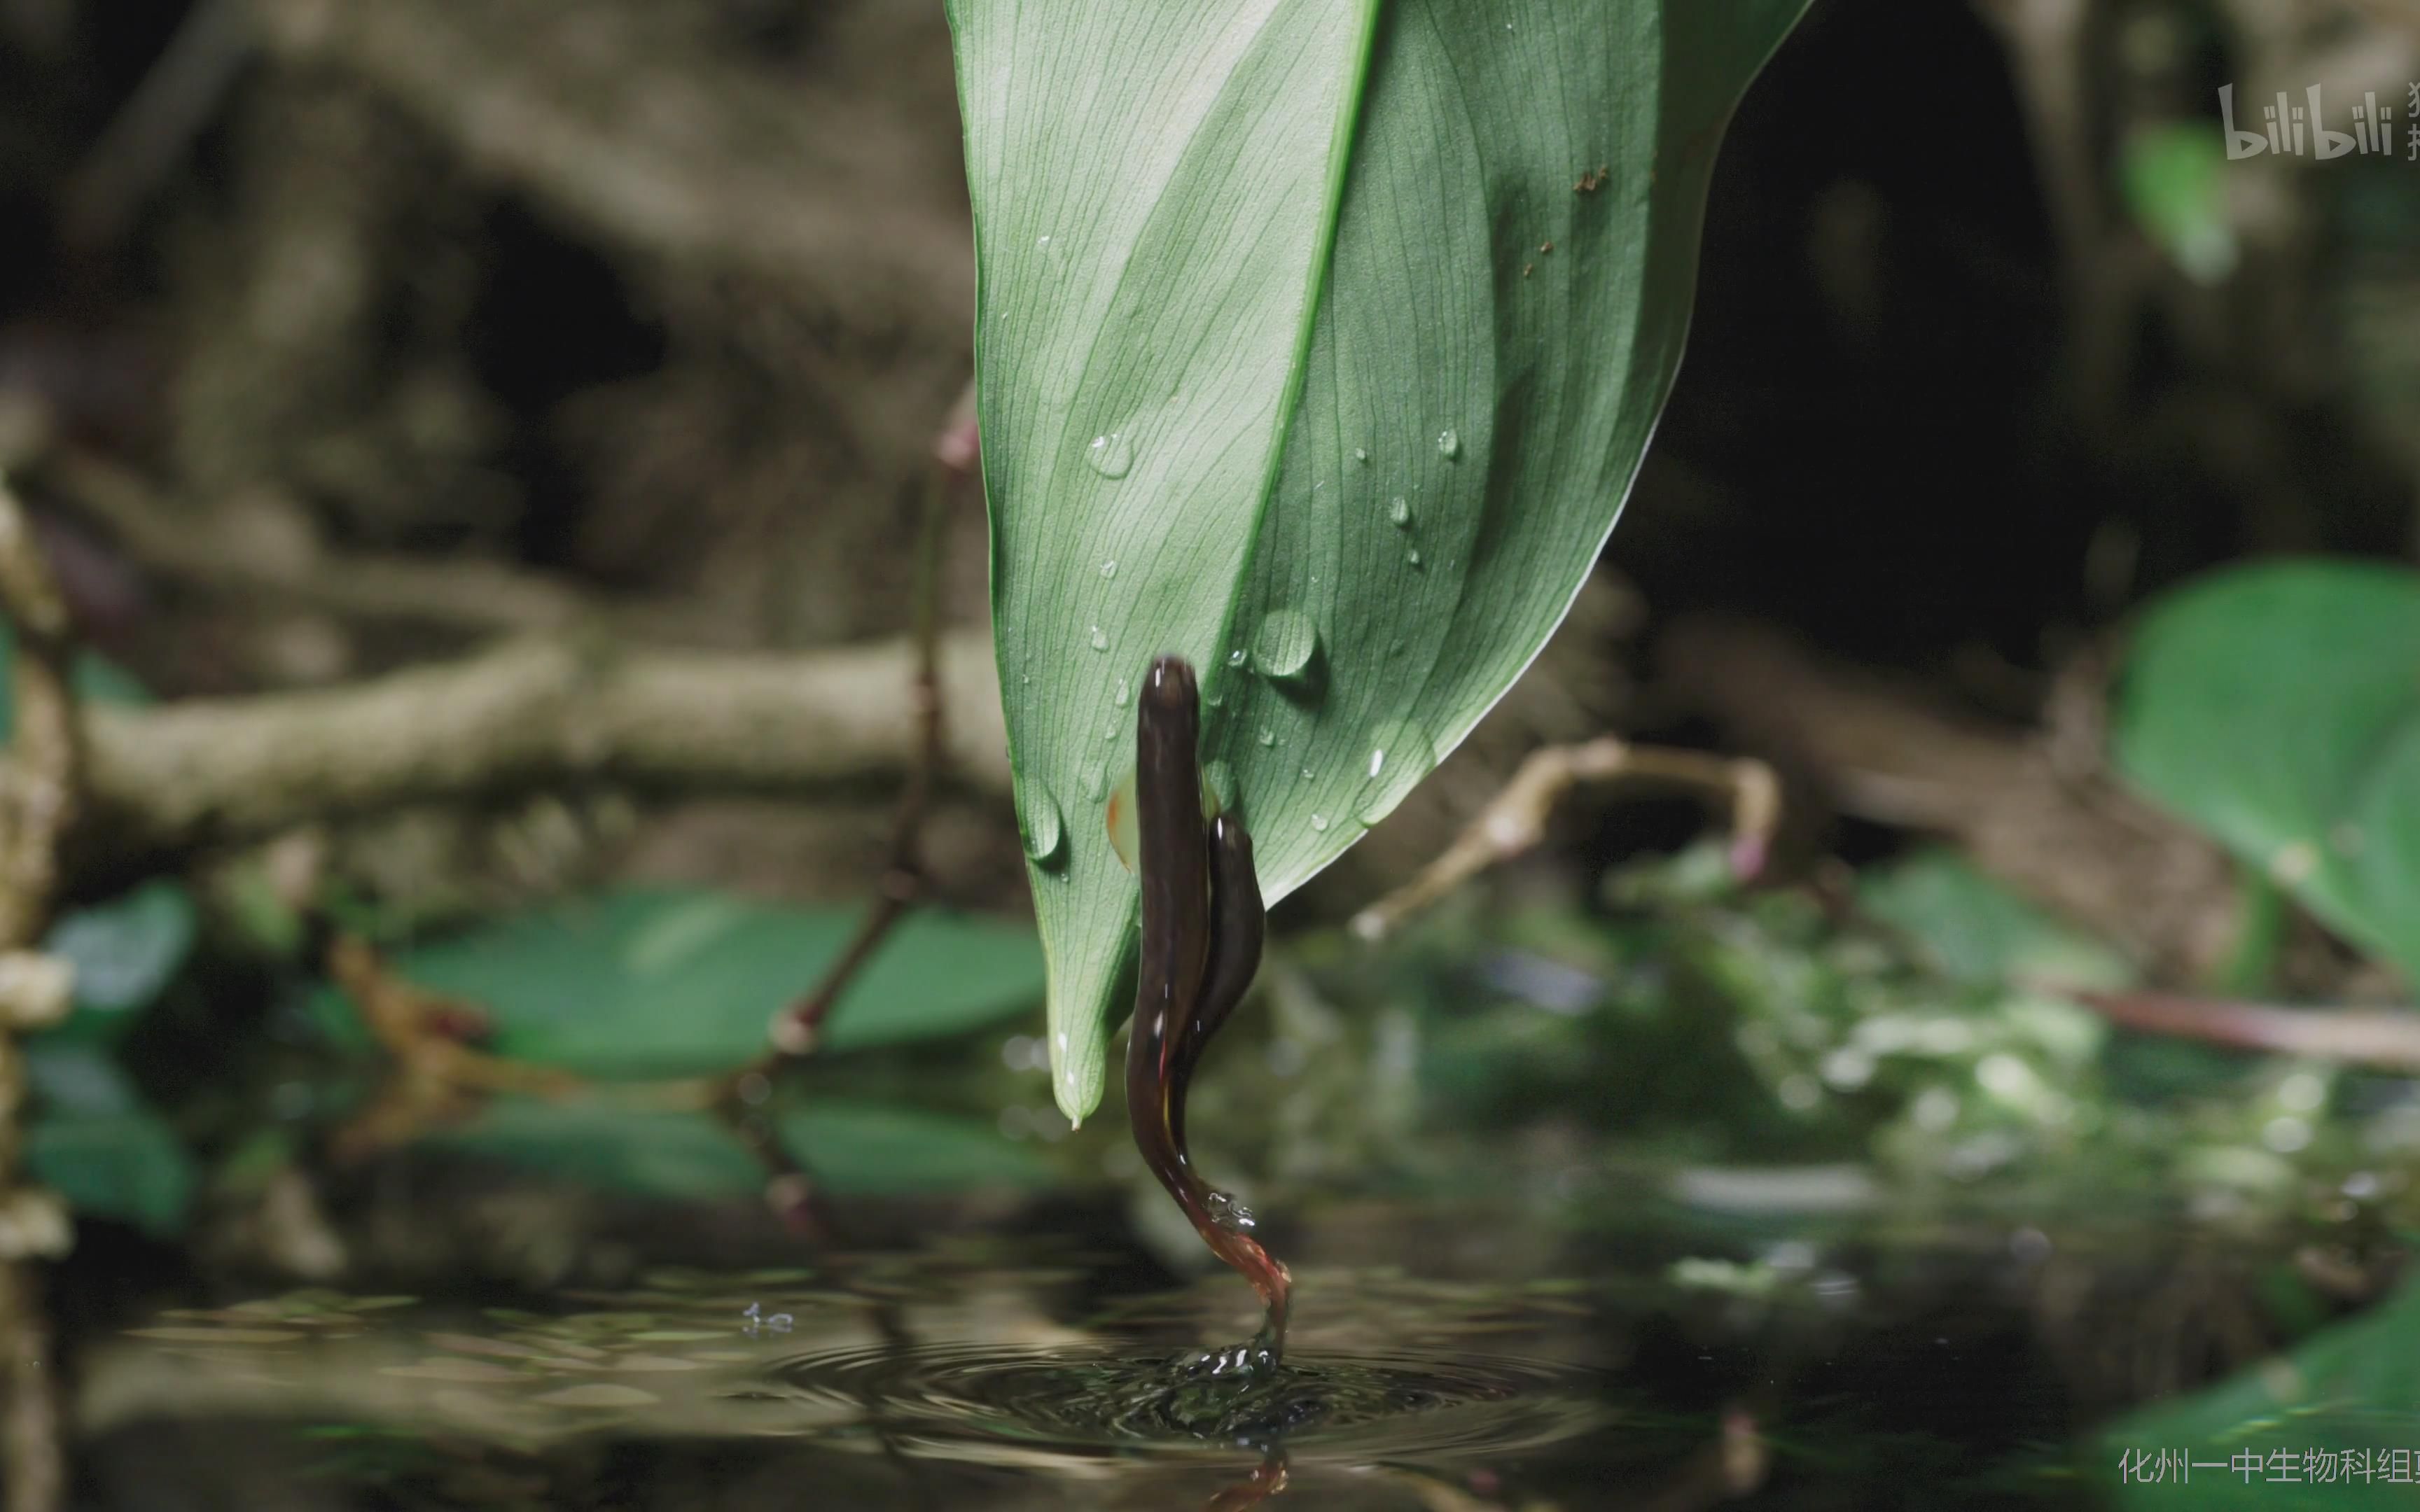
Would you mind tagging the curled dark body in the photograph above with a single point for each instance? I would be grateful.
(1201, 935)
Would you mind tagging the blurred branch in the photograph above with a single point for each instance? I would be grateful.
(535, 712)
(1515, 820)
(282, 560)
(2078, 844)
(157, 123)
(40, 788)
(39, 792)
(466, 593)
(714, 166)
(2384, 1038)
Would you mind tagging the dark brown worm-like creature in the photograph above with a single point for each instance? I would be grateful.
(1201, 935)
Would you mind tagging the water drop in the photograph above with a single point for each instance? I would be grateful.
(1111, 456)
(1039, 822)
(1305, 774)
(1287, 644)
(1095, 780)
(1100, 639)
(1238, 656)
(1268, 737)
(1110, 568)
(1229, 1214)
(1042, 242)
(1319, 823)
(1360, 454)
(1399, 513)
(1123, 694)
(1448, 445)
(1413, 556)
(1400, 756)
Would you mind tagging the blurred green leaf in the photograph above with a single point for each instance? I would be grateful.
(2278, 708)
(2174, 177)
(1978, 931)
(2356, 1388)
(124, 952)
(95, 1142)
(663, 982)
(1317, 343)
(677, 1156)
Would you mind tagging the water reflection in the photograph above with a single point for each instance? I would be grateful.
(924, 1363)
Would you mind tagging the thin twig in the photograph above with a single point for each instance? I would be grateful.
(1515, 821)
(797, 1028)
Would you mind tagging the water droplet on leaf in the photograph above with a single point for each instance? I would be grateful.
(1399, 513)
(1110, 568)
(1039, 822)
(1287, 644)
(1123, 694)
(1319, 823)
(1095, 779)
(1100, 639)
(1400, 755)
(1111, 456)
(1448, 443)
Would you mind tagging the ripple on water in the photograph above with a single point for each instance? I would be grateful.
(1320, 1405)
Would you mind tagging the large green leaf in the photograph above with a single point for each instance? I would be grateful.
(2278, 708)
(1317, 343)
(658, 983)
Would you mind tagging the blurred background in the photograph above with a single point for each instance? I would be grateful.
(481, 446)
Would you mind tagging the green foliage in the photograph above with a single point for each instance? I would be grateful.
(124, 952)
(2278, 708)
(2351, 1387)
(2174, 177)
(845, 1147)
(97, 1145)
(1318, 344)
(1976, 931)
(665, 982)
